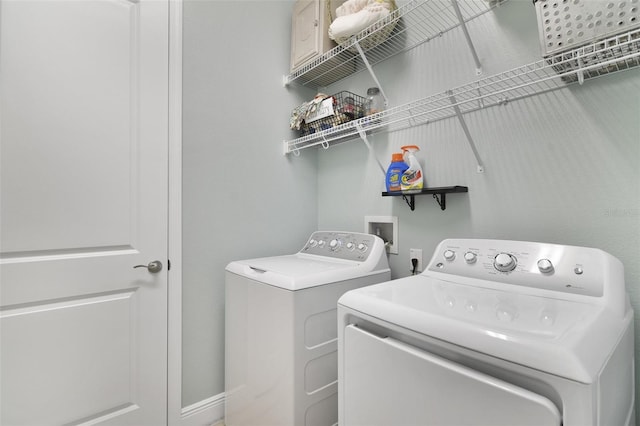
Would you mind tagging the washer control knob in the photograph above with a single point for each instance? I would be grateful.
(449, 255)
(350, 246)
(335, 244)
(470, 257)
(362, 247)
(312, 243)
(504, 262)
(321, 243)
(545, 266)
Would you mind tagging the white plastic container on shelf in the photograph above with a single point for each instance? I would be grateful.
(412, 178)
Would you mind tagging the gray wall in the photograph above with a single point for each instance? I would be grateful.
(561, 167)
(242, 197)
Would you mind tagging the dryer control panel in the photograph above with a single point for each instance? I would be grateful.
(343, 245)
(568, 269)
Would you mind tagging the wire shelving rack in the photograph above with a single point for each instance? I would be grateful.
(411, 25)
(605, 57)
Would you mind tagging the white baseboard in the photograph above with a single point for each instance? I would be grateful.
(204, 413)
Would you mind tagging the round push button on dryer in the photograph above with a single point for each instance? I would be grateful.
(547, 318)
(545, 266)
(578, 270)
(505, 314)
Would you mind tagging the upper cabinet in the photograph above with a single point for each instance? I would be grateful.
(309, 31)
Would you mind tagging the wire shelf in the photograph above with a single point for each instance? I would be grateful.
(601, 58)
(414, 23)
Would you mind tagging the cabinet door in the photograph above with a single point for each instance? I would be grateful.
(305, 32)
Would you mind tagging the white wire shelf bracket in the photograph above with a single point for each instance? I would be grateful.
(409, 26)
(597, 59)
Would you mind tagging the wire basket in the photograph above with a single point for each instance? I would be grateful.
(376, 33)
(567, 24)
(334, 110)
(614, 52)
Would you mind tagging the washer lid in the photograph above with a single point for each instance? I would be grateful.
(299, 271)
(566, 338)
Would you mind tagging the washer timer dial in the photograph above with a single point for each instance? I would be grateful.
(504, 262)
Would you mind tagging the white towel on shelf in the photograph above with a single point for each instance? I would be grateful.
(349, 23)
(351, 6)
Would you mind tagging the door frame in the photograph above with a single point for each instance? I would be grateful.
(210, 409)
(174, 279)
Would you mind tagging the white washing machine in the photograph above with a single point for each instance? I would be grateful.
(281, 365)
(492, 333)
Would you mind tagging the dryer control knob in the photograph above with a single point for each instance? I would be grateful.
(545, 266)
(504, 262)
(505, 314)
(449, 255)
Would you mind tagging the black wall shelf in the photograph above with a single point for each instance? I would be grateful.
(440, 194)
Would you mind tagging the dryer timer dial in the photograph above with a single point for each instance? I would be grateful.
(504, 262)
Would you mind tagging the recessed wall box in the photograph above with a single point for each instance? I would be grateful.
(386, 227)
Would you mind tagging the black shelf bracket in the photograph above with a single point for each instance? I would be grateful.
(411, 201)
(442, 201)
(439, 194)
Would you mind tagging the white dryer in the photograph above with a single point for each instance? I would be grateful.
(492, 333)
(281, 364)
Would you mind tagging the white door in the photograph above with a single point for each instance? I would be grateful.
(83, 200)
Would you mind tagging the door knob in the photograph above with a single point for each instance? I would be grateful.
(153, 267)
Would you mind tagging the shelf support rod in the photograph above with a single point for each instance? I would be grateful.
(363, 136)
(465, 129)
(456, 8)
(373, 75)
(580, 72)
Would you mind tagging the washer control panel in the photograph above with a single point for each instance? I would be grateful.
(342, 245)
(569, 269)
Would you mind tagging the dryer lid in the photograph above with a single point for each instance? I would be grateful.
(566, 338)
